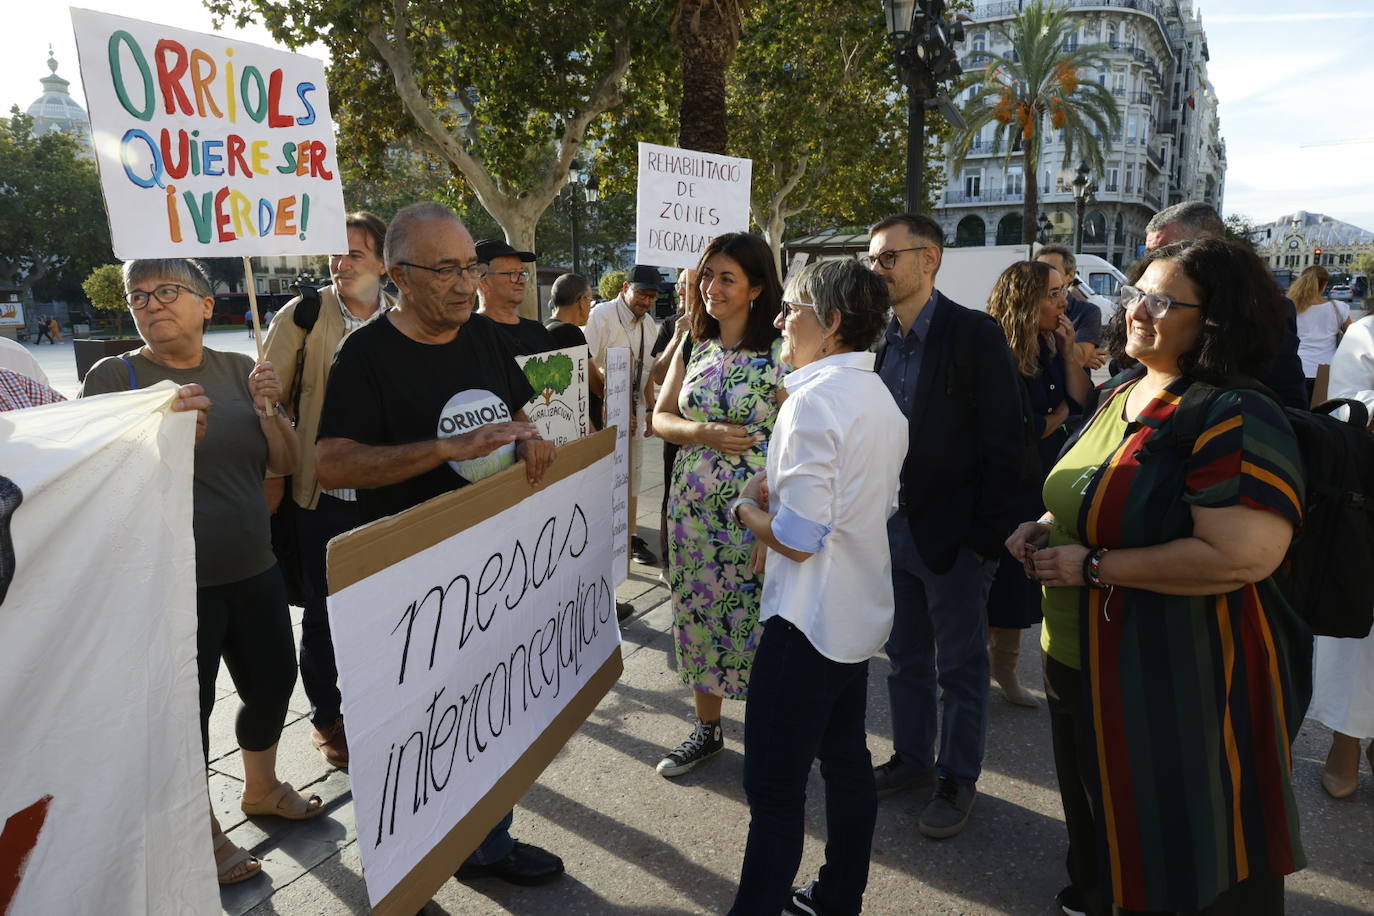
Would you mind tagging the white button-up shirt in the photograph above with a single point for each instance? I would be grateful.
(613, 324)
(834, 467)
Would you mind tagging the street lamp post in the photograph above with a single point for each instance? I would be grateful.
(921, 45)
(583, 186)
(1082, 192)
(1044, 225)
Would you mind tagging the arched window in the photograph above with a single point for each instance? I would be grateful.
(1095, 229)
(1009, 230)
(972, 232)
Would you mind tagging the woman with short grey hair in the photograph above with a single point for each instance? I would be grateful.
(819, 516)
(241, 606)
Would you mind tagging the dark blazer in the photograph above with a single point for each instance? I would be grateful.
(966, 449)
(1286, 378)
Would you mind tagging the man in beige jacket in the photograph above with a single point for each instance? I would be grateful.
(302, 359)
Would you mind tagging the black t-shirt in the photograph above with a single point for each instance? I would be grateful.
(565, 334)
(665, 333)
(386, 389)
(526, 336)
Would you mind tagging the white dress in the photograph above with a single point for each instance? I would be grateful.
(1343, 669)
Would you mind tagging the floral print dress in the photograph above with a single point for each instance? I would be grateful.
(715, 593)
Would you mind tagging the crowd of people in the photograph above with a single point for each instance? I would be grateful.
(854, 464)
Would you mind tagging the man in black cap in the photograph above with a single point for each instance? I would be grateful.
(624, 322)
(502, 291)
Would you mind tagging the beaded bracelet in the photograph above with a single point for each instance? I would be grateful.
(1092, 568)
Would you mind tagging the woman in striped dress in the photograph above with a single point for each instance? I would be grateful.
(1177, 673)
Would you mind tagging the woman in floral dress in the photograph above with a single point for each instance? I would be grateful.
(719, 405)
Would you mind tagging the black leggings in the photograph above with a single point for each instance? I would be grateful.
(247, 624)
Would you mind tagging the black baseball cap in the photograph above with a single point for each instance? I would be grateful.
(643, 276)
(490, 249)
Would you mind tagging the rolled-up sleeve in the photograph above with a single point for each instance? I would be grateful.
(804, 492)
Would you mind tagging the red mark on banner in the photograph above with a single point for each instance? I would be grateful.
(17, 840)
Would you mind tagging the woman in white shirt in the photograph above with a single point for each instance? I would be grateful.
(1321, 322)
(1343, 669)
(819, 515)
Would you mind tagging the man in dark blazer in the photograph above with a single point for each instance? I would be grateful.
(952, 374)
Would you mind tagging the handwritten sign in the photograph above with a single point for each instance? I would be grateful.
(560, 407)
(685, 199)
(72, 615)
(618, 415)
(465, 629)
(208, 147)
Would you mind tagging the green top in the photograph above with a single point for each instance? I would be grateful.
(1063, 497)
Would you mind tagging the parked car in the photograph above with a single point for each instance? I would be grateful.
(1342, 292)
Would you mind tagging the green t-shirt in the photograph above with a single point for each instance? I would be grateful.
(229, 514)
(1063, 494)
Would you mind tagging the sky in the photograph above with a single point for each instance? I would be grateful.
(1286, 76)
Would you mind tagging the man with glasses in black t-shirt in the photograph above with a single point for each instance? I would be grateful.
(397, 424)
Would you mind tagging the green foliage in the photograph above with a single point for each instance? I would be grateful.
(1035, 88)
(1363, 264)
(1240, 230)
(610, 284)
(549, 375)
(52, 218)
(104, 287)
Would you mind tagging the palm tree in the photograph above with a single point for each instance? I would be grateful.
(1039, 80)
(706, 34)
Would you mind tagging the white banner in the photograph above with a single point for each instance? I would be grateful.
(685, 199)
(454, 660)
(208, 147)
(559, 407)
(618, 415)
(102, 784)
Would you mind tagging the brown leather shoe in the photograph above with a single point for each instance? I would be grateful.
(332, 742)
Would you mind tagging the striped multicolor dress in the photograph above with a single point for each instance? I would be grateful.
(1195, 700)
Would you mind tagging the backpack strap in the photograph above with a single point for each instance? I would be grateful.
(304, 316)
(129, 364)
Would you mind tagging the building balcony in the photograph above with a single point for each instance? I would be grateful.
(1008, 9)
(1143, 98)
(958, 196)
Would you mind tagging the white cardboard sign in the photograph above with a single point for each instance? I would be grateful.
(617, 401)
(560, 406)
(102, 783)
(685, 199)
(454, 660)
(208, 147)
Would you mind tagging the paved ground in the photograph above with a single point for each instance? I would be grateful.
(635, 843)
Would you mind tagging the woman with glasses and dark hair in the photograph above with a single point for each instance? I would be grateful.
(1177, 672)
(819, 515)
(1028, 300)
(240, 597)
(719, 406)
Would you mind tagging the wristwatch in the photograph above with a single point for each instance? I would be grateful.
(741, 501)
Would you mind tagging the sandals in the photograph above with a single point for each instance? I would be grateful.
(228, 867)
(286, 802)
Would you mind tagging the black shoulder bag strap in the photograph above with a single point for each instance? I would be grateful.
(307, 312)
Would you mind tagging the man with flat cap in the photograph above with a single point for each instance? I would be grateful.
(503, 289)
(624, 322)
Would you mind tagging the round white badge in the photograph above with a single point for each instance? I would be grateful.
(470, 410)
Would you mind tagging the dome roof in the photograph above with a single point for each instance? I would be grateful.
(55, 109)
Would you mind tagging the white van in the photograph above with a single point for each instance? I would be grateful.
(968, 274)
(1099, 281)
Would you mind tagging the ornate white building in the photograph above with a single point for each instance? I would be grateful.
(56, 110)
(1302, 239)
(1169, 149)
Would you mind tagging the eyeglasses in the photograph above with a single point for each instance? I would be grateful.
(1058, 292)
(794, 308)
(887, 259)
(165, 293)
(450, 272)
(515, 276)
(1157, 304)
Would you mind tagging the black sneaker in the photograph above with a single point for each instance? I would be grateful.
(894, 776)
(706, 741)
(1070, 901)
(948, 811)
(802, 903)
(639, 549)
(526, 866)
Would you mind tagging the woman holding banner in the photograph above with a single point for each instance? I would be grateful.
(719, 405)
(240, 597)
(820, 515)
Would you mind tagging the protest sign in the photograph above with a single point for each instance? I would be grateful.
(206, 146)
(11, 310)
(102, 783)
(559, 407)
(474, 633)
(618, 415)
(685, 199)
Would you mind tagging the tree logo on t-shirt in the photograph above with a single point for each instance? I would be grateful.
(469, 410)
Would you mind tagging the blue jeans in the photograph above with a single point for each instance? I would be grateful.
(498, 844)
(939, 639)
(803, 706)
